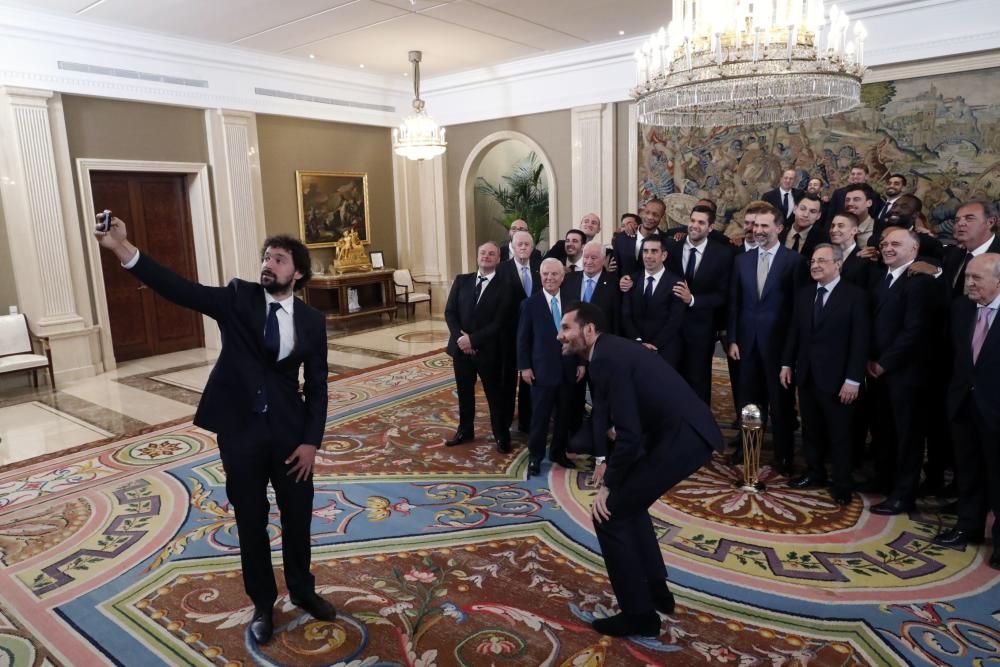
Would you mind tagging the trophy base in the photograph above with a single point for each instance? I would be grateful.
(756, 487)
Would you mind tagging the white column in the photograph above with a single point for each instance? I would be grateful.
(592, 131)
(45, 234)
(421, 244)
(234, 155)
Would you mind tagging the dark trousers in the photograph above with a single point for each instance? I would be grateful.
(627, 538)
(759, 384)
(826, 433)
(695, 366)
(251, 459)
(897, 428)
(513, 387)
(977, 462)
(467, 367)
(549, 403)
(734, 380)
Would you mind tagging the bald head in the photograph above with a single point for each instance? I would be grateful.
(982, 278)
(517, 226)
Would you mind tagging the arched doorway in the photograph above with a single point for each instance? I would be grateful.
(467, 183)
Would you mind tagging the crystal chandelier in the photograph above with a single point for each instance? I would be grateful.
(418, 137)
(748, 62)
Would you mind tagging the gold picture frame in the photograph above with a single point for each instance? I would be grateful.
(329, 206)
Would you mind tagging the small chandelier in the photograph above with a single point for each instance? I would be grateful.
(418, 137)
(748, 62)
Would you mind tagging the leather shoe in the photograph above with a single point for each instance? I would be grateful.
(958, 538)
(663, 599)
(842, 498)
(806, 482)
(317, 607)
(503, 447)
(627, 625)
(562, 460)
(262, 626)
(995, 559)
(534, 467)
(458, 439)
(891, 507)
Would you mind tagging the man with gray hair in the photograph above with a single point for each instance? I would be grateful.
(826, 350)
(542, 365)
(972, 405)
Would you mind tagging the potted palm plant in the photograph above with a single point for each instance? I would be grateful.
(523, 195)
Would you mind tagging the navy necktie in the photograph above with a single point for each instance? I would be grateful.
(272, 335)
(649, 287)
(818, 306)
(883, 289)
(689, 271)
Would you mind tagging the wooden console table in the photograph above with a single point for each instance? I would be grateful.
(376, 294)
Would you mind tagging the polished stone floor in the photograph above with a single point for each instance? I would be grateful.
(154, 390)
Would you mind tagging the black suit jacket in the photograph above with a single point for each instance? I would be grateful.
(902, 328)
(710, 288)
(558, 251)
(479, 320)
(243, 367)
(623, 248)
(606, 296)
(773, 197)
(858, 270)
(656, 320)
(834, 348)
(980, 381)
(817, 234)
(952, 265)
(647, 401)
(537, 347)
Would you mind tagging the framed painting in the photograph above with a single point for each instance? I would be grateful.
(331, 206)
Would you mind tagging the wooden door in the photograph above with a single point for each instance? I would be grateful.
(158, 217)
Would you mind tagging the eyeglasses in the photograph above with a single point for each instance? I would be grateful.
(821, 261)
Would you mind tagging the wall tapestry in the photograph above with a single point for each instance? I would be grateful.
(940, 131)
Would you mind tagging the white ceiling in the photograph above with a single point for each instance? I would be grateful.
(454, 35)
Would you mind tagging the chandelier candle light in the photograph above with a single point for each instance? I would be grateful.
(418, 137)
(743, 62)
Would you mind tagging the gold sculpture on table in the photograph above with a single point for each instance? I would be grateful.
(351, 256)
(752, 427)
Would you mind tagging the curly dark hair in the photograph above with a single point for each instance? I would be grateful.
(299, 252)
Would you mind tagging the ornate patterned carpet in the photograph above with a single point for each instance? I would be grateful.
(125, 553)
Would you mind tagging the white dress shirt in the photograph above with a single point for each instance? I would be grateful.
(656, 279)
(896, 273)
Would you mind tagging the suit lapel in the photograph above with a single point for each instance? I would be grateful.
(259, 318)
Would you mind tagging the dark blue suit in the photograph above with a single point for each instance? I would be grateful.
(656, 319)
(664, 433)
(758, 325)
(538, 349)
(254, 445)
(512, 386)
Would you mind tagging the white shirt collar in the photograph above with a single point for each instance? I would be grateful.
(656, 276)
(773, 250)
(994, 304)
(488, 276)
(829, 286)
(578, 263)
(983, 248)
(596, 277)
(700, 248)
(287, 304)
(803, 233)
(850, 251)
(896, 273)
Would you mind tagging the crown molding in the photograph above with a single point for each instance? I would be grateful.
(32, 44)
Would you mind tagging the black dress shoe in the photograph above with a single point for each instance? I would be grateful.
(317, 607)
(262, 626)
(842, 498)
(627, 625)
(503, 447)
(995, 559)
(458, 439)
(534, 467)
(806, 482)
(891, 507)
(562, 460)
(663, 599)
(958, 538)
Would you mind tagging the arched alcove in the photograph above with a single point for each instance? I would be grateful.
(467, 183)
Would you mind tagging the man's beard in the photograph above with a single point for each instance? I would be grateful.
(275, 286)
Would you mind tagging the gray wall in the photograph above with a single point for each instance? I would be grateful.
(290, 144)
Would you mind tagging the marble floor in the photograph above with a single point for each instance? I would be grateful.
(157, 389)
